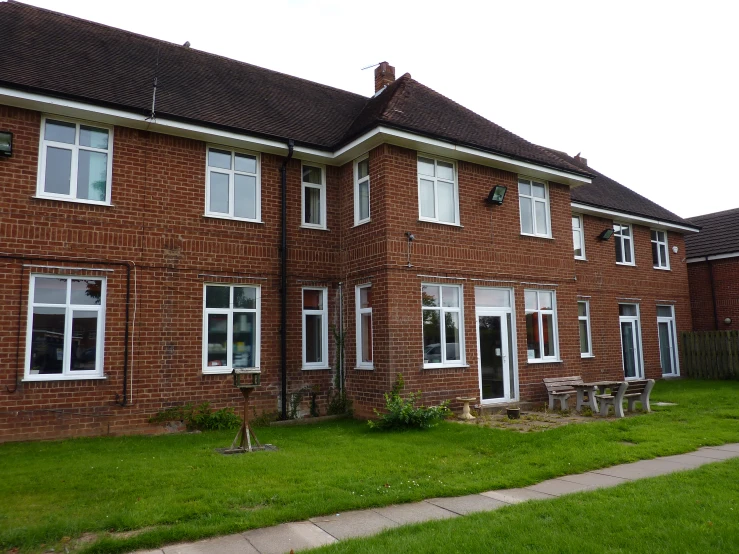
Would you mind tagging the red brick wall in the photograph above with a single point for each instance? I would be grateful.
(726, 288)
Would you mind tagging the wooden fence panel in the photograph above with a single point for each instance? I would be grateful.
(711, 354)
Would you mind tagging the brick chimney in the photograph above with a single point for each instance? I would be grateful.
(384, 75)
(582, 160)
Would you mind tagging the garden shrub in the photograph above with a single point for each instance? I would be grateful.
(402, 413)
(199, 417)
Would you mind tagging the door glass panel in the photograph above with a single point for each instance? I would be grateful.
(665, 347)
(509, 334)
(492, 298)
(491, 357)
(627, 347)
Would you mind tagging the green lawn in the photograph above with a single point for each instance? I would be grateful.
(695, 511)
(176, 488)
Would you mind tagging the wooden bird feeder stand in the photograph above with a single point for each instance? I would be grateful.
(245, 380)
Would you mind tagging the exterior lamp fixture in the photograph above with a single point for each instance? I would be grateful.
(497, 194)
(606, 234)
(6, 144)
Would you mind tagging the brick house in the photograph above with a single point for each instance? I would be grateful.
(713, 271)
(169, 215)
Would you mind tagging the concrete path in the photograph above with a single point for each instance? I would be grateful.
(319, 531)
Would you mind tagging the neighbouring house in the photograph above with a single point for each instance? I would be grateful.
(169, 215)
(713, 271)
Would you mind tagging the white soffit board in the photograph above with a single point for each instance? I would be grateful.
(630, 218)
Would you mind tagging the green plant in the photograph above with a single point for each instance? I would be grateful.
(263, 419)
(338, 403)
(199, 417)
(402, 413)
(295, 399)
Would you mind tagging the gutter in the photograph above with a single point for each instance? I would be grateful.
(592, 209)
(283, 279)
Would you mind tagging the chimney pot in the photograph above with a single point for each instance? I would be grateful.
(384, 75)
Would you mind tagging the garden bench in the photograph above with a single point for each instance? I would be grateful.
(639, 391)
(560, 388)
(615, 399)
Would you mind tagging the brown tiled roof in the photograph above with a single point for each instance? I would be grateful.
(52, 53)
(604, 192)
(719, 234)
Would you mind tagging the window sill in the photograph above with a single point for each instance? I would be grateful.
(626, 264)
(72, 200)
(360, 223)
(581, 259)
(446, 366)
(421, 220)
(314, 227)
(547, 361)
(219, 372)
(533, 236)
(51, 377)
(317, 368)
(661, 268)
(587, 356)
(229, 218)
(365, 368)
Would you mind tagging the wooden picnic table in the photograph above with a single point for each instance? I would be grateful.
(599, 387)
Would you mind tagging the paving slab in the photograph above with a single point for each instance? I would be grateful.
(595, 480)
(715, 453)
(641, 469)
(731, 447)
(558, 487)
(157, 551)
(354, 524)
(230, 544)
(516, 496)
(688, 461)
(414, 513)
(467, 504)
(288, 536)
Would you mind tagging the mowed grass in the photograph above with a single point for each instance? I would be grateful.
(177, 488)
(695, 511)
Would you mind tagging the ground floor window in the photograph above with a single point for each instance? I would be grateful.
(583, 316)
(65, 327)
(315, 328)
(363, 295)
(442, 325)
(667, 341)
(541, 325)
(231, 327)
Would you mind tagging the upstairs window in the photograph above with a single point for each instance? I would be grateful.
(660, 256)
(578, 237)
(533, 203)
(541, 325)
(314, 196)
(622, 235)
(75, 162)
(361, 191)
(437, 191)
(233, 185)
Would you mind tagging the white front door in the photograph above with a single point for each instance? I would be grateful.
(631, 351)
(494, 362)
(667, 341)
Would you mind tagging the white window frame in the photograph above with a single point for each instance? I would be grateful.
(74, 148)
(231, 183)
(637, 321)
(534, 200)
(661, 264)
(617, 235)
(230, 311)
(324, 328)
(322, 188)
(586, 319)
(67, 374)
(442, 312)
(555, 326)
(672, 322)
(581, 232)
(435, 179)
(360, 312)
(358, 220)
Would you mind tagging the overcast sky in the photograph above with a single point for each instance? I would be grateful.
(647, 91)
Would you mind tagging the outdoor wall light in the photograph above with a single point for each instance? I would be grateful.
(727, 321)
(6, 144)
(606, 234)
(497, 194)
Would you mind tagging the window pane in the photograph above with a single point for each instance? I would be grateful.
(545, 300)
(366, 337)
(627, 310)
(547, 321)
(86, 292)
(527, 221)
(524, 187)
(450, 297)
(584, 348)
(218, 192)
(575, 222)
(530, 300)
(626, 230)
(532, 336)
(446, 171)
(663, 255)
(576, 242)
(58, 170)
(447, 208)
(47, 341)
(364, 210)
(93, 137)
(313, 338)
(428, 208)
(217, 297)
(654, 235)
(245, 196)
(365, 297)
(452, 336)
(363, 168)
(582, 309)
(619, 250)
(664, 311)
(492, 298)
(542, 225)
(92, 175)
(430, 295)
(47, 290)
(219, 158)
(312, 175)
(426, 167)
(312, 299)
(313, 205)
(627, 250)
(245, 298)
(59, 131)
(655, 255)
(84, 340)
(538, 190)
(245, 163)
(244, 339)
(431, 337)
(217, 339)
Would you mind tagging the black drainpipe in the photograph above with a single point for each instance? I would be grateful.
(283, 279)
(713, 294)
